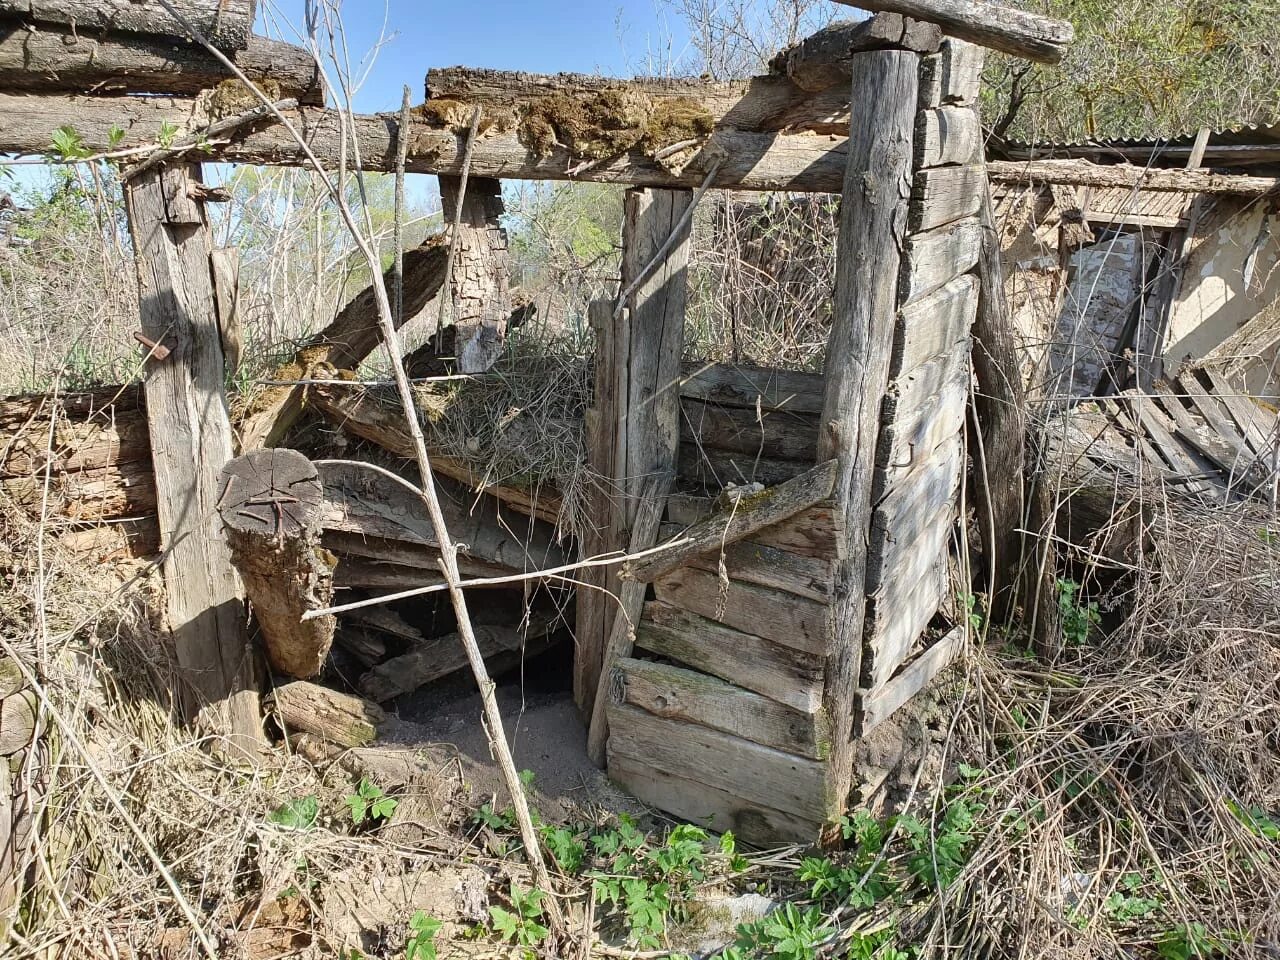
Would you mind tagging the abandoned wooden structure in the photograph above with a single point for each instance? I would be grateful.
(802, 601)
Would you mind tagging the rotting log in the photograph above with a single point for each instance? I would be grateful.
(748, 515)
(51, 59)
(822, 60)
(859, 357)
(227, 24)
(1007, 29)
(340, 718)
(748, 160)
(271, 509)
(191, 442)
(357, 412)
(351, 337)
(479, 290)
(1082, 173)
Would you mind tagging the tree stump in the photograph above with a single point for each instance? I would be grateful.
(270, 508)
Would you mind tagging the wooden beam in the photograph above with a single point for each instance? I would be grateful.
(752, 388)
(822, 60)
(227, 24)
(1082, 173)
(859, 355)
(271, 508)
(880, 704)
(190, 444)
(52, 59)
(479, 289)
(748, 515)
(802, 162)
(351, 337)
(1009, 30)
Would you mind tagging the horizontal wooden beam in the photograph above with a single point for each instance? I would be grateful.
(1012, 31)
(824, 59)
(1082, 173)
(752, 513)
(802, 162)
(53, 58)
(227, 24)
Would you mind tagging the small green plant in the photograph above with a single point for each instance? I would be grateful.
(1187, 941)
(938, 856)
(565, 847)
(788, 933)
(300, 813)
(875, 945)
(520, 925)
(969, 601)
(488, 817)
(67, 145)
(421, 944)
(1258, 821)
(168, 133)
(370, 802)
(1127, 904)
(1078, 619)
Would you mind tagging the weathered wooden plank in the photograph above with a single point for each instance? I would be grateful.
(915, 388)
(1007, 29)
(714, 469)
(908, 505)
(678, 694)
(707, 806)
(374, 561)
(784, 618)
(1082, 173)
(944, 195)
(948, 135)
(747, 160)
(822, 60)
(438, 657)
(758, 774)
(732, 385)
(191, 441)
(56, 58)
(748, 515)
(816, 532)
(333, 716)
(880, 704)
(363, 502)
(112, 437)
(1242, 410)
(953, 75)
(750, 562)
(479, 287)
(271, 508)
(936, 258)
(898, 558)
(746, 660)
(917, 429)
(934, 324)
(896, 625)
(227, 24)
(113, 492)
(775, 435)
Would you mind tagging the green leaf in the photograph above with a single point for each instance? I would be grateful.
(298, 814)
(67, 144)
(421, 943)
(505, 923)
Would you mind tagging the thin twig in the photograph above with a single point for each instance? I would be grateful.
(459, 200)
(402, 148)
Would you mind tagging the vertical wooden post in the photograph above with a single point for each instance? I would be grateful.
(480, 285)
(191, 441)
(873, 215)
(634, 427)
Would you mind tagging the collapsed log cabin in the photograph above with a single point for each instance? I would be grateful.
(801, 599)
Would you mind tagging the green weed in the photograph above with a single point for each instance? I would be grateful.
(370, 802)
(520, 925)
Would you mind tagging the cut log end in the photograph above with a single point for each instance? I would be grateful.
(271, 509)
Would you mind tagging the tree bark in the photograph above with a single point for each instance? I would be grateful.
(271, 508)
(873, 214)
(480, 286)
(52, 58)
(227, 24)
